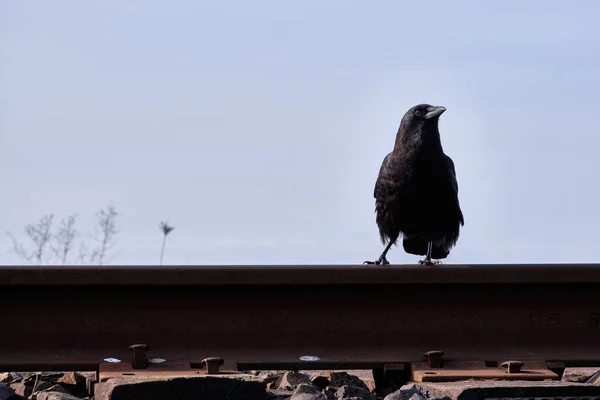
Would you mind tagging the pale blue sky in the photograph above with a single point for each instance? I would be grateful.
(258, 128)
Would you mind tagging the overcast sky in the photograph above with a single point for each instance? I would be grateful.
(257, 128)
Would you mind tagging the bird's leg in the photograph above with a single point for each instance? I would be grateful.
(382, 260)
(427, 260)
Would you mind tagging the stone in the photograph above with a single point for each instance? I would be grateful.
(404, 393)
(72, 379)
(504, 388)
(340, 379)
(10, 377)
(55, 388)
(578, 374)
(268, 377)
(308, 392)
(320, 378)
(329, 394)
(52, 396)
(48, 376)
(353, 393)
(280, 393)
(397, 395)
(75, 383)
(273, 396)
(358, 378)
(206, 387)
(6, 392)
(26, 387)
(416, 396)
(291, 379)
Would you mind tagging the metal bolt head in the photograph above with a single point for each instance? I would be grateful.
(140, 346)
(139, 360)
(512, 367)
(212, 364)
(434, 358)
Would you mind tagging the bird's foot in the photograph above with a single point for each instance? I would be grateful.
(429, 261)
(380, 261)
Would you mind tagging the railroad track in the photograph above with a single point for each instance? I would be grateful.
(385, 318)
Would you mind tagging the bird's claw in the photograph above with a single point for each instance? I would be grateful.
(429, 261)
(381, 261)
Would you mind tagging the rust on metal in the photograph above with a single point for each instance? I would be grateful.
(173, 369)
(212, 364)
(434, 358)
(313, 275)
(275, 318)
(512, 367)
(462, 370)
(139, 359)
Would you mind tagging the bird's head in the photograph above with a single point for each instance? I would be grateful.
(419, 123)
(423, 113)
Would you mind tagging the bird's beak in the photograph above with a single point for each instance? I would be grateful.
(433, 112)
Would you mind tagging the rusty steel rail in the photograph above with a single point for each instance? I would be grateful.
(57, 318)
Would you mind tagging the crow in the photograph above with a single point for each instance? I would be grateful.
(416, 192)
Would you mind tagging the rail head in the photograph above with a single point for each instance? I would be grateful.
(309, 275)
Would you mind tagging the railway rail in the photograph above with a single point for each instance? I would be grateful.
(233, 318)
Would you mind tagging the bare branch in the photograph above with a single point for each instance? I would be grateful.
(19, 250)
(106, 231)
(40, 234)
(166, 229)
(82, 254)
(67, 244)
(64, 238)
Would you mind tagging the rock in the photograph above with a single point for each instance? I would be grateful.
(10, 377)
(6, 392)
(75, 383)
(273, 396)
(358, 378)
(416, 396)
(189, 388)
(72, 379)
(578, 374)
(55, 388)
(26, 387)
(291, 379)
(269, 376)
(53, 396)
(397, 395)
(339, 379)
(320, 379)
(404, 393)
(308, 392)
(48, 376)
(329, 394)
(280, 393)
(353, 393)
(505, 389)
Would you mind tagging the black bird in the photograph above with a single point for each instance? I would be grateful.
(416, 192)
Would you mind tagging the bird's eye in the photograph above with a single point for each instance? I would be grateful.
(418, 113)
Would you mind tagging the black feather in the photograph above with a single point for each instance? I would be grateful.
(416, 192)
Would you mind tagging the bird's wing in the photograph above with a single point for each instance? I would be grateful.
(453, 172)
(382, 183)
(454, 184)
